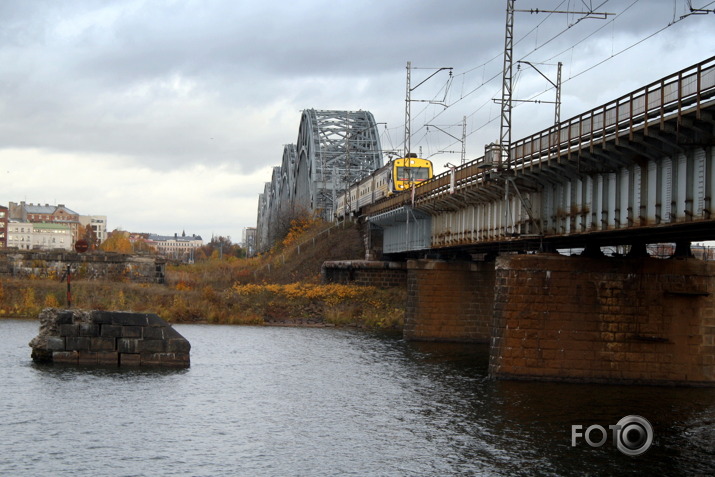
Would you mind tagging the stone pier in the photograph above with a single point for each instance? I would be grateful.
(85, 266)
(553, 317)
(609, 320)
(376, 273)
(109, 338)
(449, 301)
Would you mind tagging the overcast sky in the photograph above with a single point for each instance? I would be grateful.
(168, 115)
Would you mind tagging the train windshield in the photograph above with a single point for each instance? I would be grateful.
(412, 174)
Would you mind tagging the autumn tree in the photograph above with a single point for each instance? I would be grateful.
(117, 241)
(90, 236)
(219, 247)
(283, 222)
(141, 246)
(298, 227)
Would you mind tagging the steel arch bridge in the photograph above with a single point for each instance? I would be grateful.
(333, 150)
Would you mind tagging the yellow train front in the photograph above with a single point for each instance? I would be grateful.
(409, 171)
(397, 176)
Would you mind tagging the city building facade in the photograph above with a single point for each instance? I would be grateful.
(39, 236)
(177, 247)
(98, 223)
(38, 213)
(3, 226)
(249, 241)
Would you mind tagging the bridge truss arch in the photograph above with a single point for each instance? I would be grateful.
(334, 149)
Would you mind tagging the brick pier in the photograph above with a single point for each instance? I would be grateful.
(552, 317)
(604, 320)
(449, 301)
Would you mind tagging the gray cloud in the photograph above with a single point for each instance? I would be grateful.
(168, 85)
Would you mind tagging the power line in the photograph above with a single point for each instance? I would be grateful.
(613, 55)
(593, 32)
(500, 72)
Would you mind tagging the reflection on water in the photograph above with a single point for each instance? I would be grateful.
(314, 402)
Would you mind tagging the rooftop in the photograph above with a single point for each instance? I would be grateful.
(178, 238)
(50, 226)
(46, 209)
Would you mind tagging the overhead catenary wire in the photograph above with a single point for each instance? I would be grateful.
(497, 74)
(462, 96)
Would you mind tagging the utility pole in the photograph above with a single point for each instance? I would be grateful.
(505, 125)
(506, 97)
(463, 140)
(557, 86)
(557, 106)
(409, 100)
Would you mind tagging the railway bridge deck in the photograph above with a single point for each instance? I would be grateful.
(637, 170)
(640, 168)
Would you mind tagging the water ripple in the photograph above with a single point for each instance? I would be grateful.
(324, 402)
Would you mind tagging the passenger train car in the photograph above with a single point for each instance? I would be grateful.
(399, 175)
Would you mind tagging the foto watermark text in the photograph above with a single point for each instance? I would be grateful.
(632, 435)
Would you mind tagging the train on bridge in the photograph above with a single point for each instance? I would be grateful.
(335, 169)
(639, 169)
(399, 175)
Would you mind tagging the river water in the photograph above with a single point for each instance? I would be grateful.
(266, 401)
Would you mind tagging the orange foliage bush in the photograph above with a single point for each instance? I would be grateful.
(298, 227)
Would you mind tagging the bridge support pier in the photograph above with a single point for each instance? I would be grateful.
(604, 320)
(449, 301)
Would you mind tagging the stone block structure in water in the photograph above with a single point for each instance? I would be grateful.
(108, 338)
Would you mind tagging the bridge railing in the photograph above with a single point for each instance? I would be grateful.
(639, 109)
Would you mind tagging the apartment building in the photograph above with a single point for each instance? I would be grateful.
(98, 223)
(38, 213)
(249, 241)
(178, 247)
(40, 236)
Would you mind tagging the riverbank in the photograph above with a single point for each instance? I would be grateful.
(281, 287)
(297, 303)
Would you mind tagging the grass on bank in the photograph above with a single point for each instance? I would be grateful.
(241, 304)
(282, 286)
